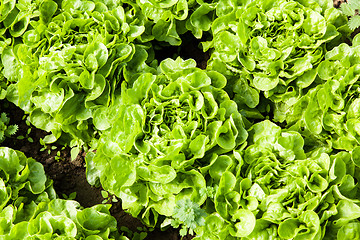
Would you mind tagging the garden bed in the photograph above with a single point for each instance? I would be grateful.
(294, 135)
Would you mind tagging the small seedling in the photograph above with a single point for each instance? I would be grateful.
(107, 197)
(6, 130)
(71, 196)
(28, 131)
(351, 9)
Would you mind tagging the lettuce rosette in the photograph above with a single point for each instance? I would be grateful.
(22, 181)
(166, 126)
(330, 111)
(30, 209)
(60, 219)
(272, 47)
(277, 190)
(67, 63)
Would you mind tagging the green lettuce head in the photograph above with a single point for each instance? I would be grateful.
(30, 209)
(329, 112)
(166, 126)
(277, 190)
(272, 47)
(67, 62)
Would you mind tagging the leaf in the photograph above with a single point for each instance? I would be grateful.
(354, 22)
(245, 223)
(354, 4)
(265, 83)
(227, 44)
(220, 166)
(347, 9)
(347, 210)
(47, 10)
(95, 55)
(74, 152)
(349, 231)
(104, 194)
(199, 19)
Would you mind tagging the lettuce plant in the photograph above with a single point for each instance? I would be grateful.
(30, 209)
(329, 112)
(62, 219)
(67, 63)
(189, 214)
(23, 180)
(166, 126)
(272, 47)
(277, 190)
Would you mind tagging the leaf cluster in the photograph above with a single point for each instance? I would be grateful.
(30, 209)
(167, 124)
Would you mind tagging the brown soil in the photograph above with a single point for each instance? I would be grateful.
(337, 3)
